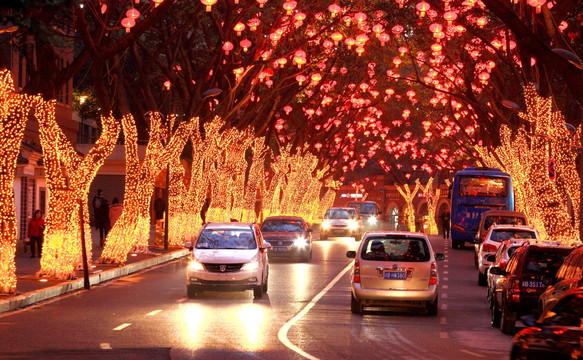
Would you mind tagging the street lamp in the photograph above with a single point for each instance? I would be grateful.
(206, 94)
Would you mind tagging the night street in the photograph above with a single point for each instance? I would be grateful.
(148, 316)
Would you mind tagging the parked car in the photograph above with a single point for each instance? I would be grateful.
(492, 241)
(500, 259)
(569, 275)
(396, 269)
(341, 221)
(556, 335)
(290, 236)
(227, 257)
(369, 212)
(521, 282)
(496, 217)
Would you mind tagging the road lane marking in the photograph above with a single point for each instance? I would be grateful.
(472, 353)
(445, 279)
(444, 296)
(105, 346)
(445, 272)
(282, 333)
(443, 320)
(122, 326)
(153, 312)
(443, 306)
(445, 287)
(444, 335)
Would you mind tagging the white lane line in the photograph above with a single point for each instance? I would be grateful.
(122, 326)
(472, 353)
(282, 333)
(444, 287)
(105, 346)
(444, 335)
(445, 279)
(445, 272)
(443, 320)
(445, 266)
(444, 296)
(153, 312)
(443, 306)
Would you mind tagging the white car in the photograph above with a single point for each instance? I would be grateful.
(395, 269)
(341, 221)
(227, 257)
(494, 238)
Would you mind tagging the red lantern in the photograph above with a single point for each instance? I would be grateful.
(128, 23)
(208, 4)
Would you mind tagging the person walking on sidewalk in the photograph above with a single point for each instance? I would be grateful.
(114, 211)
(101, 213)
(36, 228)
(445, 224)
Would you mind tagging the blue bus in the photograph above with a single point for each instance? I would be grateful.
(474, 191)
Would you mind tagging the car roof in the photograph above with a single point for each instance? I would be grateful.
(341, 208)
(363, 202)
(228, 225)
(512, 227)
(543, 246)
(399, 233)
(283, 217)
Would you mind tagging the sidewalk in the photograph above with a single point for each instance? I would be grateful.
(31, 290)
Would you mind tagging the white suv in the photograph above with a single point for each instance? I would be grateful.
(341, 221)
(228, 256)
(396, 269)
(492, 241)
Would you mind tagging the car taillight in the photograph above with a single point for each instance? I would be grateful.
(433, 278)
(489, 248)
(515, 290)
(356, 272)
(502, 265)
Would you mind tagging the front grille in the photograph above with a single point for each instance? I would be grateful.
(217, 267)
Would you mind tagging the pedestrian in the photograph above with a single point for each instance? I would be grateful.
(115, 211)
(445, 217)
(101, 213)
(204, 209)
(159, 207)
(36, 228)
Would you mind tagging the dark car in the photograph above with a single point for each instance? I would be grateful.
(556, 335)
(289, 236)
(521, 282)
(570, 275)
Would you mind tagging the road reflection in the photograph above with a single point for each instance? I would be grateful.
(242, 324)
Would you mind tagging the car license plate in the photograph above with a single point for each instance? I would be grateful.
(279, 248)
(395, 275)
(532, 284)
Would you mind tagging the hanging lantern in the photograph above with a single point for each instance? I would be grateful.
(423, 7)
(383, 38)
(287, 109)
(245, 44)
(239, 27)
(360, 17)
(261, 3)
(128, 23)
(536, 4)
(450, 16)
(337, 37)
(227, 46)
(300, 79)
(378, 29)
(334, 9)
(253, 23)
(133, 14)
(289, 6)
(167, 84)
(208, 4)
(349, 42)
(157, 2)
(397, 30)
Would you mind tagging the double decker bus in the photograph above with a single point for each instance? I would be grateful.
(476, 190)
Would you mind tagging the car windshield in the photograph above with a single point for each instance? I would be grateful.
(363, 208)
(395, 249)
(339, 214)
(544, 263)
(226, 239)
(282, 225)
(501, 235)
(503, 220)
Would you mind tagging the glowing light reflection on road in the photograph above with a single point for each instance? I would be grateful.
(193, 316)
(252, 319)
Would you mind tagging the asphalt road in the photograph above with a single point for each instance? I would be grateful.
(306, 314)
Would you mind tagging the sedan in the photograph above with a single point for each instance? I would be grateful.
(289, 235)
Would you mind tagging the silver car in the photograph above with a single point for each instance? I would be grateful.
(395, 269)
(226, 257)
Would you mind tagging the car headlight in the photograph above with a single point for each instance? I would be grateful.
(372, 220)
(353, 225)
(250, 266)
(196, 266)
(300, 242)
(326, 224)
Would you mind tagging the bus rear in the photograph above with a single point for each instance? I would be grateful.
(475, 191)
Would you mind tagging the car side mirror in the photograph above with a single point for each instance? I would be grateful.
(495, 270)
(439, 256)
(351, 254)
(188, 245)
(491, 258)
(266, 246)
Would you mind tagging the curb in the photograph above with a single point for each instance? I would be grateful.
(34, 297)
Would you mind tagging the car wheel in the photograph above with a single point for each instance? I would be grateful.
(475, 259)
(508, 321)
(517, 354)
(190, 291)
(258, 292)
(264, 286)
(355, 305)
(494, 314)
(305, 256)
(482, 279)
(432, 307)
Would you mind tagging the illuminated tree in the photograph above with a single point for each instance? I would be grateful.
(432, 197)
(409, 195)
(69, 176)
(14, 112)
